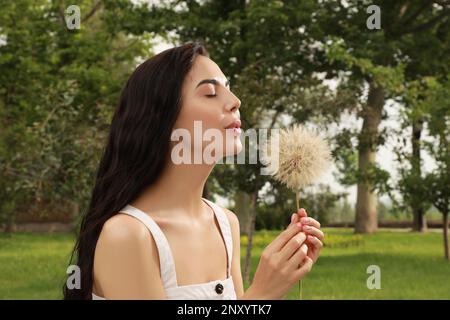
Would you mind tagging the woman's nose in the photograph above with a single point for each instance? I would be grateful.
(234, 104)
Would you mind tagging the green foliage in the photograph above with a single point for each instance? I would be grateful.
(412, 45)
(264, 237)
(438, 181)
(58, 88)
(427, 102)
(343, 241)
(388, 77)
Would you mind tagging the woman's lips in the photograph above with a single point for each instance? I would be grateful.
(235, 126)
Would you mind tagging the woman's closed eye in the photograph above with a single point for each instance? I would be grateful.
(211, 95)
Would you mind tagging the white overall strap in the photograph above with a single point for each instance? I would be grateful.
(166, 261)
(225, 228)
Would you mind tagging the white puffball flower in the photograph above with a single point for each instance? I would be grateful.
(303, 156)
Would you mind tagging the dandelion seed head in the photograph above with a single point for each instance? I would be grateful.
(303, 156)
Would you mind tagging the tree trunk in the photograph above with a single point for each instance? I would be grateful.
(445, 226)
(242, 210)
(419, 221)
(9, 208)
(366, 201)
(10, 226)
(251, 229)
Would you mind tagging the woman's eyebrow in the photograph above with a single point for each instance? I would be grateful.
(212, 81)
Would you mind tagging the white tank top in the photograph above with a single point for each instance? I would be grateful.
(213, 290)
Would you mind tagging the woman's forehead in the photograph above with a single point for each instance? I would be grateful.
(205, 68)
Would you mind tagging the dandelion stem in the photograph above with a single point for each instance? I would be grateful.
(300, 287)
(297, 201)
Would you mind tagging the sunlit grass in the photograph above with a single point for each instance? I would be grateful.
(412, 266)
(32, 266)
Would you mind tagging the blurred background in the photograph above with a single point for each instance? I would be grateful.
(372, 76)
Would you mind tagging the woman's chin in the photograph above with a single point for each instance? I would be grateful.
(235, 149)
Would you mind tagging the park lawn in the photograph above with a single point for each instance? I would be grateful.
(32, 266)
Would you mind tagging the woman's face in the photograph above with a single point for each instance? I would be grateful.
(208, 108)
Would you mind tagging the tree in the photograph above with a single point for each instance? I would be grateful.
(411, 184)
(422, 65)
(437, 182)
(57, 93)
(377, 60)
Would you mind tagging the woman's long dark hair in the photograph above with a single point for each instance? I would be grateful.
(137, 148)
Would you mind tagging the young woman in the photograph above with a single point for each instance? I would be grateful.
(148, 232)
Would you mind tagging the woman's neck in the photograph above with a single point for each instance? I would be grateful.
(178, 191)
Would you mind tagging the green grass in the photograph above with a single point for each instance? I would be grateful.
(412, 266)
(32, 266)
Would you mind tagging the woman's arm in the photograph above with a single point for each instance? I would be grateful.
(126, 267)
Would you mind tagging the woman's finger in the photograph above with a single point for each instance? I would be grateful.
(292, 246)
(313, 232)
(310, 221)
(317, 244)
(296, 259)
(302, 213)
(278, 243)
(294, 218)
(304, 269)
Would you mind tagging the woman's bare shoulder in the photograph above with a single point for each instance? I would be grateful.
(126, 260)
(122, 227)
(232, 217)
(124, 234)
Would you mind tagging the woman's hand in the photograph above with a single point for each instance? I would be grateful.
(311, 228)
(283, 263)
